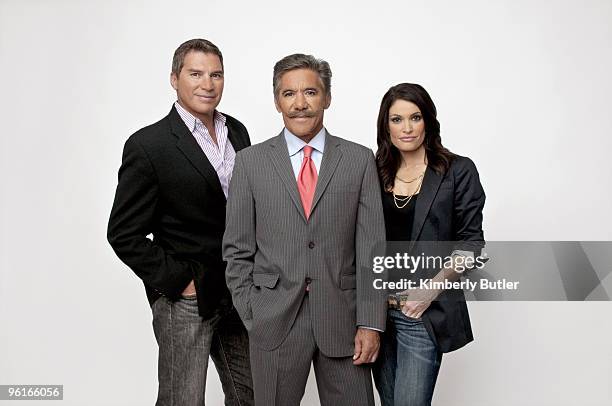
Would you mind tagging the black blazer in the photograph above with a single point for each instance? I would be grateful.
(449, 208)
(168, 188)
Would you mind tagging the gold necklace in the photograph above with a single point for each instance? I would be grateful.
(405, 200)
(409, 181)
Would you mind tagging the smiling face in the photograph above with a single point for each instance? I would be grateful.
(406, 126)
(199, 84)
(302, 100)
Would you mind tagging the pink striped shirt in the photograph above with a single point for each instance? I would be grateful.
(221, 155)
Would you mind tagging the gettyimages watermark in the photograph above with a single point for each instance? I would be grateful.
(495, 270)
(459, 261)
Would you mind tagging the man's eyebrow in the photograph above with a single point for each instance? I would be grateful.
(193, 70)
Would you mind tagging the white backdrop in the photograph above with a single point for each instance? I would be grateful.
(521, 87)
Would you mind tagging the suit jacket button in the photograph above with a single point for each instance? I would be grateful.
(311, 245)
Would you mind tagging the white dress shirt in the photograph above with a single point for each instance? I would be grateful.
(296, 150)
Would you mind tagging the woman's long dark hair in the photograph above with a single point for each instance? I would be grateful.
(388, 158)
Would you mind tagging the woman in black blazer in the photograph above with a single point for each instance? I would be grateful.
(429, 194)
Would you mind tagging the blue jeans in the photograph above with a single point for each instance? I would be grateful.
(407, 367)
(185, 343)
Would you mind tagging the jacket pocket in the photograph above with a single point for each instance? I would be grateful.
(348, 281)
(268, 280)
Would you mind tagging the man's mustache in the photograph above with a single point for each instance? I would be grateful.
(301, 114)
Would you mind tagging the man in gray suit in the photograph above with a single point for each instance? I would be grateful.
(304, 213)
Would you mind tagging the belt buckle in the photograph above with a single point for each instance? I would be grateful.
(393, 302)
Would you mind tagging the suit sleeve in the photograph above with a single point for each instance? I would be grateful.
(468, 204)
(369, 242)
(132, 218)
(239, 243)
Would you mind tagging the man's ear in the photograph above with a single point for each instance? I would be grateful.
(276, 104)
(327, 100)
(173, 81)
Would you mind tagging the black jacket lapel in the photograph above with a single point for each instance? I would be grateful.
(429, 189)
(233, 134)
(188, 145)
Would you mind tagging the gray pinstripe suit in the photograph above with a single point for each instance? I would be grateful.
(272, 250)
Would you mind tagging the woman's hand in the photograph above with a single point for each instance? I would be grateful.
(415, 308)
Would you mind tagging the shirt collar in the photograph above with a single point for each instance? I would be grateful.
(191, 121)
(295, 144)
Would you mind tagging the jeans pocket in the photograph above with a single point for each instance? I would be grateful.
(186, 309)
(401, 315)
(189, 297)
(188, 303)
(413, 319)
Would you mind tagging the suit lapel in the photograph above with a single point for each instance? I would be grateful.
(329, 163)
(279, 155)
(429, 189)
(188, 145)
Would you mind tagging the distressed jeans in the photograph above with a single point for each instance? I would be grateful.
(186, 341)
(408, 363)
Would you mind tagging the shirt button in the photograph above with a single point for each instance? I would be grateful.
(311, 245)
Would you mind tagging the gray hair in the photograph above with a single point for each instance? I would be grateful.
(301, 61)
(197, 45)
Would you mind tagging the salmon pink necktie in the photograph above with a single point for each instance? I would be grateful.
(307, 180)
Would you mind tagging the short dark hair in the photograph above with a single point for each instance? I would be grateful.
(302, 61)
(196, 45)
(388, 157)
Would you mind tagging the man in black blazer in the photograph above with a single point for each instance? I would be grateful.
(173, 185)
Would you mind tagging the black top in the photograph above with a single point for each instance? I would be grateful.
(398, 222)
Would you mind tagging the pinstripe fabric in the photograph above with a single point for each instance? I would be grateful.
(221, 155)
(281, 374)
(271, 248)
